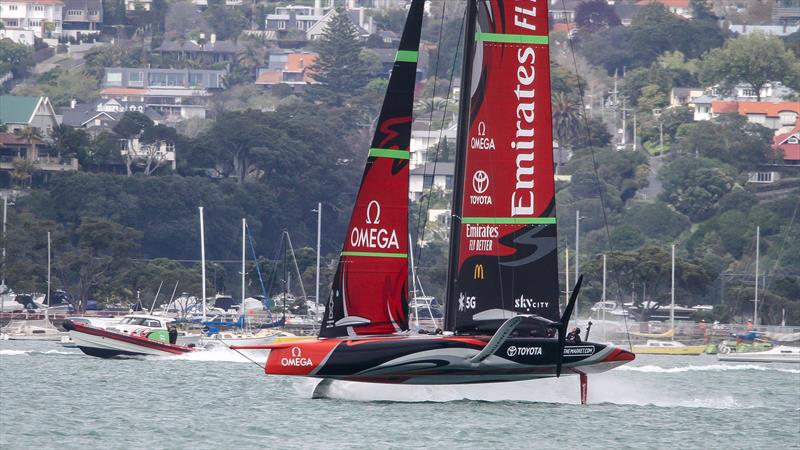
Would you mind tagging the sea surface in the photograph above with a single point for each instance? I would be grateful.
(51, 397)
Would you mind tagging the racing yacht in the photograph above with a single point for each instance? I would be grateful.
(502, 315)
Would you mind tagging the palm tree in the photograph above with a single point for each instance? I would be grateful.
(566, 120)
(23, 171)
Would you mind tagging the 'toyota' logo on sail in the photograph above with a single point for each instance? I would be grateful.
(296, 360)
(374, 237)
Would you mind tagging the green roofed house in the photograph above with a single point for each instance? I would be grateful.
(18, 112)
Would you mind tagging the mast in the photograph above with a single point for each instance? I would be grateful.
(672, 296)
(413, 281)
(758, 250)
(460, 161)
(48, 270)
(577, 253)
(203, 259)
(603, 309)
(319, 237)
(285, 276)
(244, 238)
(566, 276)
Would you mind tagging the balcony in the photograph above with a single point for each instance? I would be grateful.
(42, 163)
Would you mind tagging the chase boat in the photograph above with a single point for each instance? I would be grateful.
(134, 335)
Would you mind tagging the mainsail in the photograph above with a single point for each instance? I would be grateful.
(369, 294)
(503, 237)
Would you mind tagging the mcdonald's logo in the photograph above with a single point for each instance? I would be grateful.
(477, 273)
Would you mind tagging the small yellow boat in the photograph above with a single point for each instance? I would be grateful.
(656, 347)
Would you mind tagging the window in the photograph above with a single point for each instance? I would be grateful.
(38, 8)
(136, 79)
(427, 181)
(74, 12)
(12, 7)
(34, 22)
(113, 79)
(165, 79)
(195, 79)
(793, 140)
(94, 12)
(748, 92)
(11, 23)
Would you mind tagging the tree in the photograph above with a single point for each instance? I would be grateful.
(695, 185)
(656, 221)
(182, 18)
(15, 58)
(594, 15)
(102, 247)
(227, 23)
(566, 120)
(701, 10)
(729, 138)
(340, 68)
(70, 142)
(62, 86)
(755, 59)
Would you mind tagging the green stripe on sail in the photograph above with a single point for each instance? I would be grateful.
(511, 38)
(376, 254)
(389, 153)
(511, 220)
(407, 56)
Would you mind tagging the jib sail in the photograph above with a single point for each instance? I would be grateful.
(369, 294)
(503, 249)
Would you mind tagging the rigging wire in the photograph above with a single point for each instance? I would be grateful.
(424, 220)
(780, 253)
(597, 182)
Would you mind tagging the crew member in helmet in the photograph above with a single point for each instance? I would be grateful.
(574, 336)
(173, 333)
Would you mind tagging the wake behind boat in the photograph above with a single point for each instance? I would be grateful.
(502, 306)
(135, 335)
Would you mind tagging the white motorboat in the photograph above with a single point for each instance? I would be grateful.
(779, 354)
(135, 334)
(30, 330)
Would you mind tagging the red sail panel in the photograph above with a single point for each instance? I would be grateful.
(507, 262)
(369, 294)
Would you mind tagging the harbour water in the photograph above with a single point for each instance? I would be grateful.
(51, 397)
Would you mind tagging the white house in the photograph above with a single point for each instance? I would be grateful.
(42, 18)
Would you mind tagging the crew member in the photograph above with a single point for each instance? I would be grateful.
(574, 336)
(173, 334)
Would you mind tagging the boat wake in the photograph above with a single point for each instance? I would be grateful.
(603, 391)
(215, 354)
(708, 368)
(6, 352)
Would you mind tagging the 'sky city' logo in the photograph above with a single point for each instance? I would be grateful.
(477, 272)
(480, 181)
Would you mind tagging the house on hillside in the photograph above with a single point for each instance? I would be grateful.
(773, 115)
(29, 161)
(775, 30)
(786, 12)
(287, 68)
(359, 17)
(25, 18)
(439, 176)
(82, 17)
(178, 94)
(102, 115)
(684, 96)
(211, 52)
(789, 144)
(19, 112)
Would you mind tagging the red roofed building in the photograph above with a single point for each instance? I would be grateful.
(789, 143)
(773, 115)
(287, 68)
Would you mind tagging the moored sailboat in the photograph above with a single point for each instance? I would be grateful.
(502, 319)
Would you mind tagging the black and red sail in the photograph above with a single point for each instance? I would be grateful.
(505, 224)
(369, 294)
